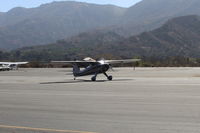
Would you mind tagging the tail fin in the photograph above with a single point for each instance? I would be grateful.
(76, 69)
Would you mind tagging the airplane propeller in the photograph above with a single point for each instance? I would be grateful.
(102, 61)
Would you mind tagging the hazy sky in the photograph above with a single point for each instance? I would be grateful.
(6, 5)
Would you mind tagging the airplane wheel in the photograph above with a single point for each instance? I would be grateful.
(110, 77)
(93, 78)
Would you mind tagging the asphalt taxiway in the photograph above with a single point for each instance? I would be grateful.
(147, 100)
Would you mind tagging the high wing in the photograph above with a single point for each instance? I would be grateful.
(21, 63)
(85, 60)
(71, 62)
(121, 61)
(77, 62)
(14, 63)
(97, 62)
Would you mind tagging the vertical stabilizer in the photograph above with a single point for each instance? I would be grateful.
(76, 69)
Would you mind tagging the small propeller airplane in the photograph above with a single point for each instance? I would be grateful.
(94, 67)
(7, 66)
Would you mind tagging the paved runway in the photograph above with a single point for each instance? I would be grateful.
(147, 100)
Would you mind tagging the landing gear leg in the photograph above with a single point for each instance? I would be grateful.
(108, 77)
(74, 78)
(94, 77)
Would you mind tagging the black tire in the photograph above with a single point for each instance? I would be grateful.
(110, 78)
(93, 78)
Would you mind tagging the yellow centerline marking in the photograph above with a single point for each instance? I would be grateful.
(43, 129)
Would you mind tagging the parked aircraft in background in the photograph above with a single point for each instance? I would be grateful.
(6, 66)
(94, 67)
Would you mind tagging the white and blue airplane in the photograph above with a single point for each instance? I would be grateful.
(7, 66)
(94, 67)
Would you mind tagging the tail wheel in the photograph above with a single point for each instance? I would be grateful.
(110, 78)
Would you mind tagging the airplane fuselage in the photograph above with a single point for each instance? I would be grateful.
(92, 70)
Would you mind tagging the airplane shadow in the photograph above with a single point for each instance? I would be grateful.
(70, 71)
(84, 81)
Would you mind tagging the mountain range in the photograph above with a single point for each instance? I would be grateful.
(22, 27)
(178, 37)
(150, 14)
(26, 27)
